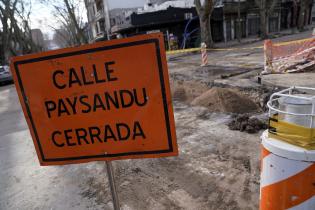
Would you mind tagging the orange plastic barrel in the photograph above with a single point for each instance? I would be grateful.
(287, 176)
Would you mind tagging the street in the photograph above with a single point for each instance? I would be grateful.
(193, 180)
(217, 168)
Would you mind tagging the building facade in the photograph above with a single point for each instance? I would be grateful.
(98, 19)
(179, 19)
(38, 38)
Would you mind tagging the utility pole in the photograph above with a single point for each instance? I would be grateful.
(239, 21)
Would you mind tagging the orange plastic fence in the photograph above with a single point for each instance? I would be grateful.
(286, 57)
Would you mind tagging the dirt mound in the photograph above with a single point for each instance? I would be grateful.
(187, 91)
(225, 100)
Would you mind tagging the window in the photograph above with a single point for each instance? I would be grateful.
(112, 21)
(97, 29)
(102, 25)
(99, 5)
(188, 16)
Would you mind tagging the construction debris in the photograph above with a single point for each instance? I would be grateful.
(289, 57)
(246, 123)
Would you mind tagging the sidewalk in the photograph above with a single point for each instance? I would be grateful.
(235, 43)
(277, 36)
(288, 80)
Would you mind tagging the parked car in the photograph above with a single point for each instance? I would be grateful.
(5, 74)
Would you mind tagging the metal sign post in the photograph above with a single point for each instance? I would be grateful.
(112, 184)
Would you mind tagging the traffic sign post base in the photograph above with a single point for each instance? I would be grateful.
(112, 184)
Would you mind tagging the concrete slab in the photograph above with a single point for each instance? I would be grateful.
(289, 80)
(237, 83)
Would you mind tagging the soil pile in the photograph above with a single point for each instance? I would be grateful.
(245, 123)
(187, 91)
(225, 100)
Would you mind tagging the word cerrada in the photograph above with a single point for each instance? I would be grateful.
(98, 134)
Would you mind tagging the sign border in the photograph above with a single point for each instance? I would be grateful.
(156, 41)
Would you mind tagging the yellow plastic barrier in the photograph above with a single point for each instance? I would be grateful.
(182, 51)
(292, 133)
(174, 52)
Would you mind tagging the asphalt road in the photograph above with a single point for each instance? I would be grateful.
(23, 183)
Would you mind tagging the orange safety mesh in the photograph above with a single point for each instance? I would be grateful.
(286, 57)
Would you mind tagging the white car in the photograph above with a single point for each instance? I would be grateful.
(5, 74)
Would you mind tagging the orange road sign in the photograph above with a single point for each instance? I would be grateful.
(105, 101)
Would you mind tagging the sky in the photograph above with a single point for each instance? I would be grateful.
(42, 14)
(41, 17)
(125, 3)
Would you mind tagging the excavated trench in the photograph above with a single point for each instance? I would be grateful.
(246, 106)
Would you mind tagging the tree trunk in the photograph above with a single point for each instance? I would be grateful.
(204, 11)
(205, 30)
(263, 24)
(6, 33)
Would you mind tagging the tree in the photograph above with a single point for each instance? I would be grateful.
(204, 10)
(266, 8)
(15, 30)
(75, 21)
(69, 14)
(62, 39)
